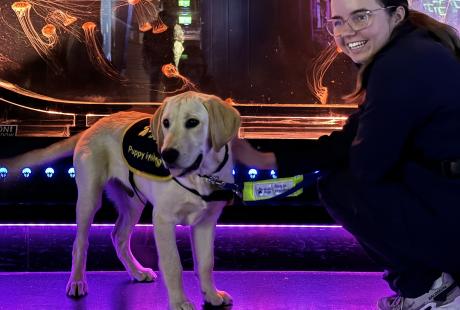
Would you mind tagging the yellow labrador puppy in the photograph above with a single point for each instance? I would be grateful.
(192, 131)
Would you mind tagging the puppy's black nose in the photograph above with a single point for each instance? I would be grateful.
(170, 155)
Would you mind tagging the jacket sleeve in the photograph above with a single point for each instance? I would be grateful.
(327, 152)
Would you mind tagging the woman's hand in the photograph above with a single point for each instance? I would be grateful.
(245, 154)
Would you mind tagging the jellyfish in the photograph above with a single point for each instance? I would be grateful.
(146, 12)
(170, 71)
(49, 31)
(64, 21)
(159, 26)
(44, 49)
(320, 66)
(21, 8)
(95, 53)
(62, 18)
(145, 27)
(62, 14)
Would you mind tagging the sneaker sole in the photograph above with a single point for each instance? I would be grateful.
(454, 305)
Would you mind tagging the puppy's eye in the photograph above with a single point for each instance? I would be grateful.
(166, 123)
(191, 123)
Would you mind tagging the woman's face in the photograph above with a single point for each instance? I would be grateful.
(363, 44)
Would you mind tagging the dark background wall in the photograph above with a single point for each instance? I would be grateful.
(39, 199)
(258, 50)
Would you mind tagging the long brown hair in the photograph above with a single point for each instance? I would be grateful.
(445, 34)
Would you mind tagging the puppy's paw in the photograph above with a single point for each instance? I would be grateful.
(76, 288)
(144, 275)
(218, 299)
(182, 306)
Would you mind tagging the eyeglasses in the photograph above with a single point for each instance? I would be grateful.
(357, 21)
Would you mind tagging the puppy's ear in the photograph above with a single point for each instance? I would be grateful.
(157, 132)
(224, 121)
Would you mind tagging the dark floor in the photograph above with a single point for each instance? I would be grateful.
(295, 248)
(250, 291)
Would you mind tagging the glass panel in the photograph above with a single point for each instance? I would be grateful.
(273, 57)
(106, 51)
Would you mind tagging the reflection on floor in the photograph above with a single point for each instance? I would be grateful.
(343, 277)
(237, 247)
(250, 291)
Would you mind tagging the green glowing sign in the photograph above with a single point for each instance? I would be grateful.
(184, 3)
(185, 19)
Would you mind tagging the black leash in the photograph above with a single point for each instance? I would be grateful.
(218, 195)
(146, 202)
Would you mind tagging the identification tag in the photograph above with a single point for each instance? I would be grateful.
(266, 189)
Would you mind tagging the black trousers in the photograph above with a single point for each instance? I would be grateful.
(411, 245)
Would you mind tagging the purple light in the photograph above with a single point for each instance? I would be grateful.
(150, 225)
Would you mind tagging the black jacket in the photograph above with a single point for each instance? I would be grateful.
(411, 111)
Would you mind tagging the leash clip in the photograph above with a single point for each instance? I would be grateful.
(213, 180)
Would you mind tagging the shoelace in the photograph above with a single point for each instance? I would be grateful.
(397, 303)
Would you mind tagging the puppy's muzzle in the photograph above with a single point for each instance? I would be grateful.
(170, 155)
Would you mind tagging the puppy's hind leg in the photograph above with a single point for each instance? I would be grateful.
(129, 212)
(90, 187)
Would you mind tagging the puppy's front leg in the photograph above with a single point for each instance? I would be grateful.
(169, 263)
(203, 250)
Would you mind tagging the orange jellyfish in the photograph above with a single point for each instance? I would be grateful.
(146, 12)
(95, 53)
(170, 71)
(49, 31)
(64, 21)
(44, 49)
(159, 26)
(145, 27)
(21, 8)
(320, 66)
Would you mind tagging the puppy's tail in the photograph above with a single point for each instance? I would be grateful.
(41, 156)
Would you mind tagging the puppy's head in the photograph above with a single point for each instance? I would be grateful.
(188, 125)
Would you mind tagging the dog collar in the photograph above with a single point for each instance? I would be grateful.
(225, 191)
(193, 167)
(218, 195)
(197, 162)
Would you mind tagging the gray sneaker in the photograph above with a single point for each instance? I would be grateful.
(445, 296)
